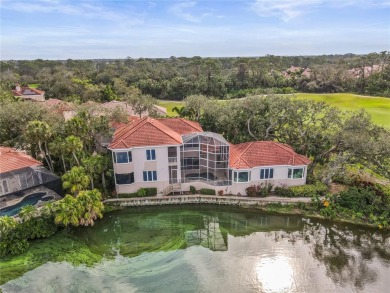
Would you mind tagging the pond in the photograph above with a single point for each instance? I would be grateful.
(214, 249)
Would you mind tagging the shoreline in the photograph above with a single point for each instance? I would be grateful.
(265, 204)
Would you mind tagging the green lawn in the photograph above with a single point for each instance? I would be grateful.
(170, 105)
(377, 107)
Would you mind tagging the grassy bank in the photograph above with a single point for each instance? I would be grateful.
(57, 248)
(377, 107)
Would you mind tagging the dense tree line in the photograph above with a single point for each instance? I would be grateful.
(331, 138)
(175, 78)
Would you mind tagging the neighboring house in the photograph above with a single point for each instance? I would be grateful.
(167, 152)
(66, 109)
(368, 70)
(300, 71)
(21, 175)
(28, 93)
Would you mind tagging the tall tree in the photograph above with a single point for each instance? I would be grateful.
(75, 180)
(39, 132)
(74, 146)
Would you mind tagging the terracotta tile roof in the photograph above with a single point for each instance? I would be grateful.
(130, 120)
(27, 91)
(58, 105)
(11, 160)
(181, 126)
(264, 153)
(145, 132)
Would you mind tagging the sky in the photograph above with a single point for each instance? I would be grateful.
(93, 29)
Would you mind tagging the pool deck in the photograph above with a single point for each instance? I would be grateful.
(204, 199)
(33, 190)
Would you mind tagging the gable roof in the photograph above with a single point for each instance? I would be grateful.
(145, 132)
(181, 126)
(11, 160)
(25, 91)
(264, 153)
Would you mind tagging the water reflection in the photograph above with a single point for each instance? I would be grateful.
(216, 249)
(275, 274)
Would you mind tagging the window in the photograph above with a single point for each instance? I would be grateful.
(150, 155)
(241, 176)
(23, 181)
(190, 163)
(127, 178)
(266, 173)
(3, 187)
(296, 173)
(150, 175)
(122, 157)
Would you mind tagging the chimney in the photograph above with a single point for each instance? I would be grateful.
(17, 88)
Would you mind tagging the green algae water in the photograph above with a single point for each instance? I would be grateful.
(204, 249)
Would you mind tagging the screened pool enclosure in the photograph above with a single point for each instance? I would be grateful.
(204, 156)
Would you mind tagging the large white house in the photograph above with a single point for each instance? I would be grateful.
(162, 152)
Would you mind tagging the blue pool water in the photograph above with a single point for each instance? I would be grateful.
(31, 199)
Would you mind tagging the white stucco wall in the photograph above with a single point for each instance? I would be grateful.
(161, 165)
(140, 164)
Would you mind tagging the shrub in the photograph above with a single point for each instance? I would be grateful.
(127, 195)
(309, 190)
(192, 189)
(220, 192)
(207, 191)
(261, 190)
(141, 192)
(151, 191)
(147, 191)
(283, 191)
(251, 191)
(358, 199)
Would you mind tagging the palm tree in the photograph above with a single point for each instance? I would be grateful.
(28, 212)
(74, 145)
(38, 132)
(59, 148)
(7, 224)
(93, 208)
(68, 212)
(81, 210)
(93, 166)
(75, 180)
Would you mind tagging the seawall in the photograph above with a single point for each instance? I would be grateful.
(203, 199)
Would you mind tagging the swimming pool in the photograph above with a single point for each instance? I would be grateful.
(31, 199)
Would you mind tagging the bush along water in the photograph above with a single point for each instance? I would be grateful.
(81, 210)
(260, 190)
(364, 202)
(308, 190)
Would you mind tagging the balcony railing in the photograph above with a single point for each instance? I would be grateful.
(172, 160)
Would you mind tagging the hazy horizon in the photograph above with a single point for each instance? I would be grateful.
(61, 30)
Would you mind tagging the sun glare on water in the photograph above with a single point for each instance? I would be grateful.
(275, 274)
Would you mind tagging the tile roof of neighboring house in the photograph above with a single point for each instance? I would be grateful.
(118, 104)
(264, 153)
(130, 119)
(59, 105)
(181, 126)
(11, 160)
(27, 91)
(145, 132)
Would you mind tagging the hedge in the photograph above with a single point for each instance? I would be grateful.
(307, 190)
(207, 191)
(142, 192)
